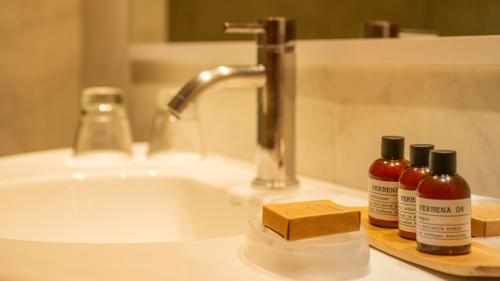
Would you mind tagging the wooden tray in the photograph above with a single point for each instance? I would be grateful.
(481, 261)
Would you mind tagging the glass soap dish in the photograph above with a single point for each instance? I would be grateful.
(342, 256)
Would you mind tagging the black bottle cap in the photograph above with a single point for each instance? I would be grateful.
(419, 154)
(443, 162)
(393, 147)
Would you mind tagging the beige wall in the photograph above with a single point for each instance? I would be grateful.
(49, 49)
(104, 45)
(148, 20)
(40, 69)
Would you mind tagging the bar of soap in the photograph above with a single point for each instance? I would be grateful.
(299, 220)
(485, 220)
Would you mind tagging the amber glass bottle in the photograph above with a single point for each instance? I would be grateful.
(443, 208)
(407, 193)
(384, 176)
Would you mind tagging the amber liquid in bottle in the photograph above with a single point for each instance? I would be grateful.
(382, 209)
(446, 184)
(408, 182)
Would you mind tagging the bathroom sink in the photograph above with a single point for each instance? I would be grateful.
(60, 199)
(67, 219)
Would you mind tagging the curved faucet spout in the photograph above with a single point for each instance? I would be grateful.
(240, 76)
(274, 76)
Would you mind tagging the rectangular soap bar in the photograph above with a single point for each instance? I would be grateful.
(299, 220)
(485, 220)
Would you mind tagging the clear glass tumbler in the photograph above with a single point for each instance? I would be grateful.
(103, 128)
(173, 137)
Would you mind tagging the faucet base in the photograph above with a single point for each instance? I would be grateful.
(275, 184)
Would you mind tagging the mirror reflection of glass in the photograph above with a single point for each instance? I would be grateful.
(174, 138)
(201, 20)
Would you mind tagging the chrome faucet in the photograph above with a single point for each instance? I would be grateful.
(274, 77)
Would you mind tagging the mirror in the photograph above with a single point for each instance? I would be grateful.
(201, 20)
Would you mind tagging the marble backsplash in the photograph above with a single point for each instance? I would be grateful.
(342, 116)
(344, 106)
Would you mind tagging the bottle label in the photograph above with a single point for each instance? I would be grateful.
(406, 209)
(444, 222)
(383, 200)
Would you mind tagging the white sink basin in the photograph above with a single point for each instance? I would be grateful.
(114, 209)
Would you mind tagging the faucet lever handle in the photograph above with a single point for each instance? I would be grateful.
(243, 28)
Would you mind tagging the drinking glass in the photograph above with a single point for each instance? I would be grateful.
(103, 128)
